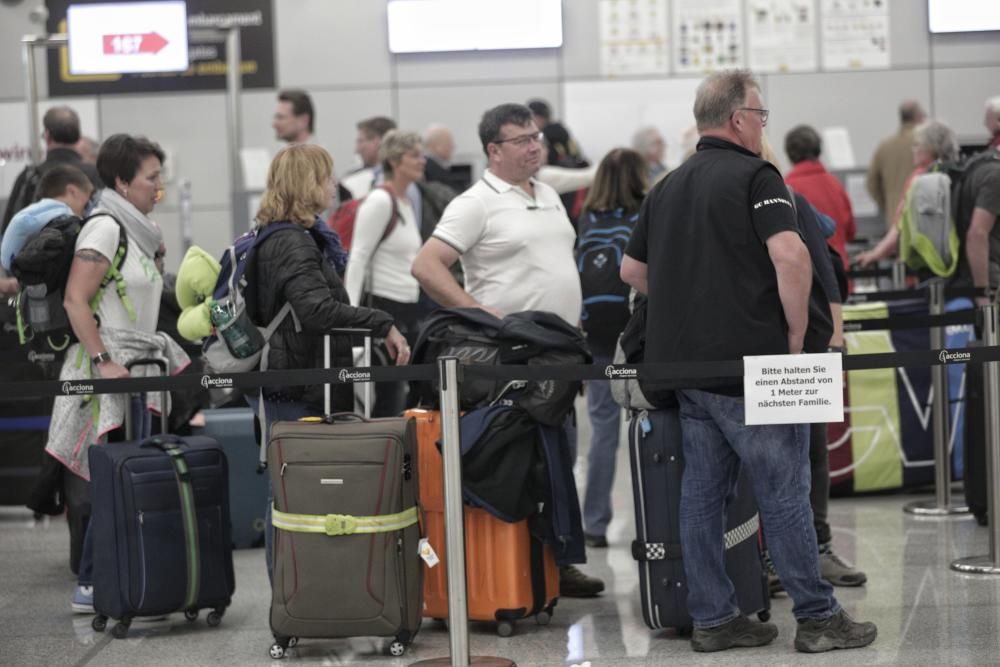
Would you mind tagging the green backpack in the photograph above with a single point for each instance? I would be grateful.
(928, 238)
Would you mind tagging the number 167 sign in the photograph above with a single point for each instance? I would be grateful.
(128, 37)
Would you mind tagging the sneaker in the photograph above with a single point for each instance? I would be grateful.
(739, 632)
(773, 582)
(575, 584)
(837, 631)
(83, 600)
(596, 541)
(837, 571)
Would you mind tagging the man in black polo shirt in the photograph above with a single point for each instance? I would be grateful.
(717, 250)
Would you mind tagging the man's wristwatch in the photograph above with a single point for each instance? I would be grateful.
(100, 359)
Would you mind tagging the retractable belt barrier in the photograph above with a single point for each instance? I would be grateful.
(918, 293)
(955, 317)
(691, 370)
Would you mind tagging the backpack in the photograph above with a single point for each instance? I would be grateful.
(342, 220)
(631, 393)
(602, 237)
(935, 215)
(928, 238)
(477, 337)
(42, 268)
(237, 345)
(25, 196)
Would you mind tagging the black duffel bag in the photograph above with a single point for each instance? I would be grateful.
(531, 337)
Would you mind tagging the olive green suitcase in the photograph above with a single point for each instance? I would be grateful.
(346, 543)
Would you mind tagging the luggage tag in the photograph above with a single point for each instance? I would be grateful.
(427, 553)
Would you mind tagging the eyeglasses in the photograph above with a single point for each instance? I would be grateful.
(763, 113)
(522, 140)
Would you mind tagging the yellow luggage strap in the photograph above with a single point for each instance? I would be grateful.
(342, 524)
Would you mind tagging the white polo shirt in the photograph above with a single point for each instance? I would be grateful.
(517, 250)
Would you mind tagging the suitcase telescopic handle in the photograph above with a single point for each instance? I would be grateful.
(164, 367)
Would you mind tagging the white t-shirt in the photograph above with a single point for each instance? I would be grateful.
(143, 283)
(517, 250)
(390, 264)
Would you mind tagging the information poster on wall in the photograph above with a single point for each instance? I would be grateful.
(634, 37)
(855, 34)
(207, 59)
(707, 35)
(781, 35)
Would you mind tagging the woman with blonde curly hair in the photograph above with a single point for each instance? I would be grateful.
(293, 266)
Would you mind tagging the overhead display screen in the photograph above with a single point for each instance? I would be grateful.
(963, 15)
(127, 37)
(422, 26)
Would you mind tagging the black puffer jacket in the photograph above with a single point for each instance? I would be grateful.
(290, 266)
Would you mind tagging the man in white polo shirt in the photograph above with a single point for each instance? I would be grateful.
(516, 245)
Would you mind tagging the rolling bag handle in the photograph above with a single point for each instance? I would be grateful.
(366, 362)
(164, 367)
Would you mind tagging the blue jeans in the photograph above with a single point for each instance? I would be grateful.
(716, 443)
(275, 411)
(605, 420)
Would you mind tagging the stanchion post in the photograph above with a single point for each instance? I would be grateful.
(940, 419)
(454, 527)
(989, 564)
(898, 275)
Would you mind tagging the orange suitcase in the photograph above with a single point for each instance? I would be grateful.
(503, 584)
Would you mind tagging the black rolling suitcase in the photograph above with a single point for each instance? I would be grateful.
(974, 473)
(655, 453)
(160, 516)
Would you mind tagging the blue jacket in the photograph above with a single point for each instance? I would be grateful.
(512, 465)
(28, 222)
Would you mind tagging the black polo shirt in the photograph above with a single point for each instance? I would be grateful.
(713, 292)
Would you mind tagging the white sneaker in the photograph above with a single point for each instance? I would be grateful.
(83, 600)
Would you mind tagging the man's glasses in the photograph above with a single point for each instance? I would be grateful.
(763, 113)
(522, 140)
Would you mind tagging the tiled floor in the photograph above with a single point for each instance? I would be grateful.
(926, 614)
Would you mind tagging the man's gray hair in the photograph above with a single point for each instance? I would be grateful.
(719, 95)
(993, 104)
(938, 138)
(644, 139)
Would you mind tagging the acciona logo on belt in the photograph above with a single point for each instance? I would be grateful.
(617, 372)
(70, 388)
(947, 357)
(209, 382)
(43, 357)
(354, 376)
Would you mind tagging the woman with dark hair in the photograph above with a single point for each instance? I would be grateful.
(609, 215)
(291, 267)
(112, 301)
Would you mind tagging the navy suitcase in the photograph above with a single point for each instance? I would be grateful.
(161, 530)
(233, 429)
(655, 454)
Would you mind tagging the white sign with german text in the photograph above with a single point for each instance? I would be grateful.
(793, 389)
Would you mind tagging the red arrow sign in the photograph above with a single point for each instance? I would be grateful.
(122, 45)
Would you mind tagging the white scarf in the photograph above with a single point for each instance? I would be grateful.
(139, 228)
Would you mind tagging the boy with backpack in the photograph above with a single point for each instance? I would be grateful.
(64, 190)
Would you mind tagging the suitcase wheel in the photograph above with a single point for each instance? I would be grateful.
(293, 642)
(99, 623)
(397, 648)
(214, 618)
(543, 618)
(764, 616)
(277, 651)
(191, 615)
(120, 631)
(505, 628)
